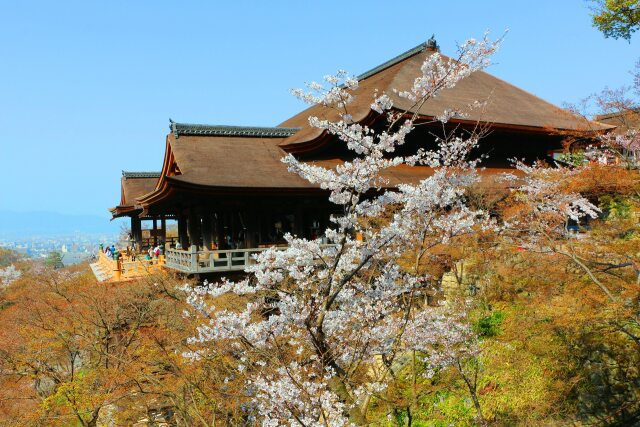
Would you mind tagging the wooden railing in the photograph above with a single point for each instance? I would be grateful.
(195, 261)
(124, 269)
(189, 261)
(168, 241)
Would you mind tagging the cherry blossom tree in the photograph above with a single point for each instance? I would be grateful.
(618, 107)
(543, 207)
(9, 275)
(324, 329)
(602, 164)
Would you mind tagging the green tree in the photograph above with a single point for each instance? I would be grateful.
(617, 18)
(8, 257)
(54, 260)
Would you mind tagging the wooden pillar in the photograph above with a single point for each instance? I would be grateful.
(206, 230)
(155, 232)
(133, 230)
(136, 230)
(250, 229)
(258, 220)
(299, 222)
(163, 230)
(193, 228)
(226, 228)
(213, 227)
(141, 234)
(219, 228)
(234, 227)
(324, 222)
(266, 224)
(183, 236)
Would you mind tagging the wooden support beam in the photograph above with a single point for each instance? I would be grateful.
(226, 227)
(234, 227)
(136, 231)
(155, 232)
(298, 221)
(163, 229)
(194, 227)
(324, 221)
(250, 229)
(219, 228)
(183, 236)
(206, 230)
(213, 225)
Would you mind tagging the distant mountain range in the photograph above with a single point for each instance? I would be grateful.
(40, 223)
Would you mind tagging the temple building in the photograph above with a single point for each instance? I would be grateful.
(232, 196)
(623, 120)
(132, 186)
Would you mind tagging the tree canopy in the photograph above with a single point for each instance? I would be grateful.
(617, 18)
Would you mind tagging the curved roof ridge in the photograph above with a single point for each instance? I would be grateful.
(130, 174)
(393, 61)
(227, 130)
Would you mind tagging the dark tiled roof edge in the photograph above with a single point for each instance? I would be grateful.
(127, 174)
(393, 61)
(220, 130)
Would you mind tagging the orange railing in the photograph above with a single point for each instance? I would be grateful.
(127, 268)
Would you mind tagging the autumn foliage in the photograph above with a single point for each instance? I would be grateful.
(77, 352)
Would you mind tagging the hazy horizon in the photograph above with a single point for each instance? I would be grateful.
(27, 224)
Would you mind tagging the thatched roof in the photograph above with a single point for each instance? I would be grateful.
(134, 185)
(507, 105)
(218, 165)
(137, 184)
(622, 120)
(227, 161)
(216, 159)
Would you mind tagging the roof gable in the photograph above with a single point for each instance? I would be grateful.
(232, 161)
(137, 184)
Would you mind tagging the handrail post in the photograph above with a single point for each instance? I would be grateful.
(194, 257)
(118, 269)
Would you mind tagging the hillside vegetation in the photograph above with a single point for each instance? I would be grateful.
(553, 349)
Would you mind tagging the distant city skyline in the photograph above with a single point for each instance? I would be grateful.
(87, 88)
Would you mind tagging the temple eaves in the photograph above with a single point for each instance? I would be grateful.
(222, 130)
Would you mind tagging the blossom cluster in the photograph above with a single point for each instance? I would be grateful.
(322, 317)
(8, 275)
(625, 145)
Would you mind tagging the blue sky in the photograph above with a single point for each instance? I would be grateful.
(87, 87)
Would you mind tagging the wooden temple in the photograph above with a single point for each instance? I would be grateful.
(133, 186)
(232, 196)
